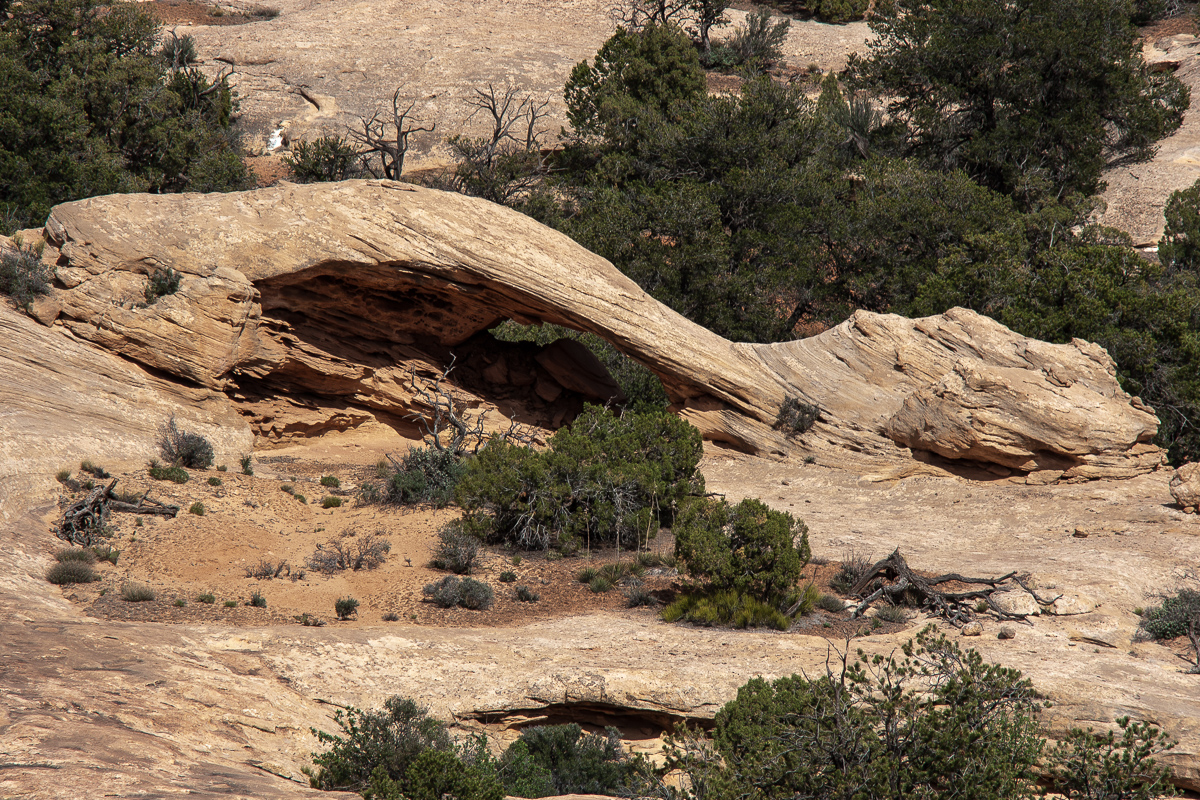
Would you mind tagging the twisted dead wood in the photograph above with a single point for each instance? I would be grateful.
(908, 588)
(84, 521)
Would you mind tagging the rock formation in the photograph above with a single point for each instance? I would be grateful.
(1185, 487)
(318, 306)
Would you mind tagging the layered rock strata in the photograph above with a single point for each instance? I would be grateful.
(316, 306)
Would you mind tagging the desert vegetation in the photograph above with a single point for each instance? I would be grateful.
(93, 103)
(766, 214)
(915, 723)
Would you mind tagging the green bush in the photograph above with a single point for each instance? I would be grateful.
(81, 555)
(93, 469)
(136, 592)
(197, 509)
(1173, 617)
(924, 725)
(179, 602)
(748, 549)
(1087, 765)
(436, 775)
(456, 549)
(161, 283)
(90, 106)
(600, 585)
(107, 553)
(453, 591)
(831, 603)
(331, 502)
(637, 596)
(206, 598)
(604, 480)
(331, 481)
(257, 600)
(527, 595)
(853, 568)
(66, 572)
(796, 417)
(214, 481)
(247, 463)
(231, 603)
(759, 42)
(893, 614)
(839, 11)
(180, 448)
(725, 608)
(582, 763)
(634, 73)
(23, 277)
(508, 576)
(345, 607)
(425, 475)
(390, 739)
(329, 158)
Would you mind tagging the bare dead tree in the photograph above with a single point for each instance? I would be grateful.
(446, 421)
(510, 161)
(634, 15)
(388, 138)
(445, 414)
(900, 585)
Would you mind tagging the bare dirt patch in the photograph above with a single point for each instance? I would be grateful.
(276, 517)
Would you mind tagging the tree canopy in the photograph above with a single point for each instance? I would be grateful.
(1020, 93)
(89, 104)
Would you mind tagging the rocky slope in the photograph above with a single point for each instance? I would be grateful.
(303, 308)
(331, 298)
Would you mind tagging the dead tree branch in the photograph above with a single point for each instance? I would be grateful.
(899, 585)
(388, 139)
(85, 520)
(445, 414)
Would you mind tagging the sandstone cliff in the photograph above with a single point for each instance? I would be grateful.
(312, 307)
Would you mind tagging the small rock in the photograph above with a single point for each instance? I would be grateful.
(1069, 605)
(1080, 533)
(973, 629)
(1185, 486)
(1006, 632)
(1043, 477)
(1017, 603)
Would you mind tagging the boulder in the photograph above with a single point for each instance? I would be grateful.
(1185, 486)
(348, 292)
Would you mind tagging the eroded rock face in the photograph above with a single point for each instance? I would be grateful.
(334, 298)
(62, 401)
(1185, 486)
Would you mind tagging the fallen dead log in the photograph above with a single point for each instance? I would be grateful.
(85, 521)
(905, 587)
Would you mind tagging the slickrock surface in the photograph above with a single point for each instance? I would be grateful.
(339, 291)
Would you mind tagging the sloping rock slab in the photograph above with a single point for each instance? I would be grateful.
(340, 290)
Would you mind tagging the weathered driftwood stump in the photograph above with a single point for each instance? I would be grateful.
(84, 521)
(899, 585)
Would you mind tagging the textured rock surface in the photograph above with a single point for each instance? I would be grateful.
(1185, 486)
(62, 401)
(342, 291)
